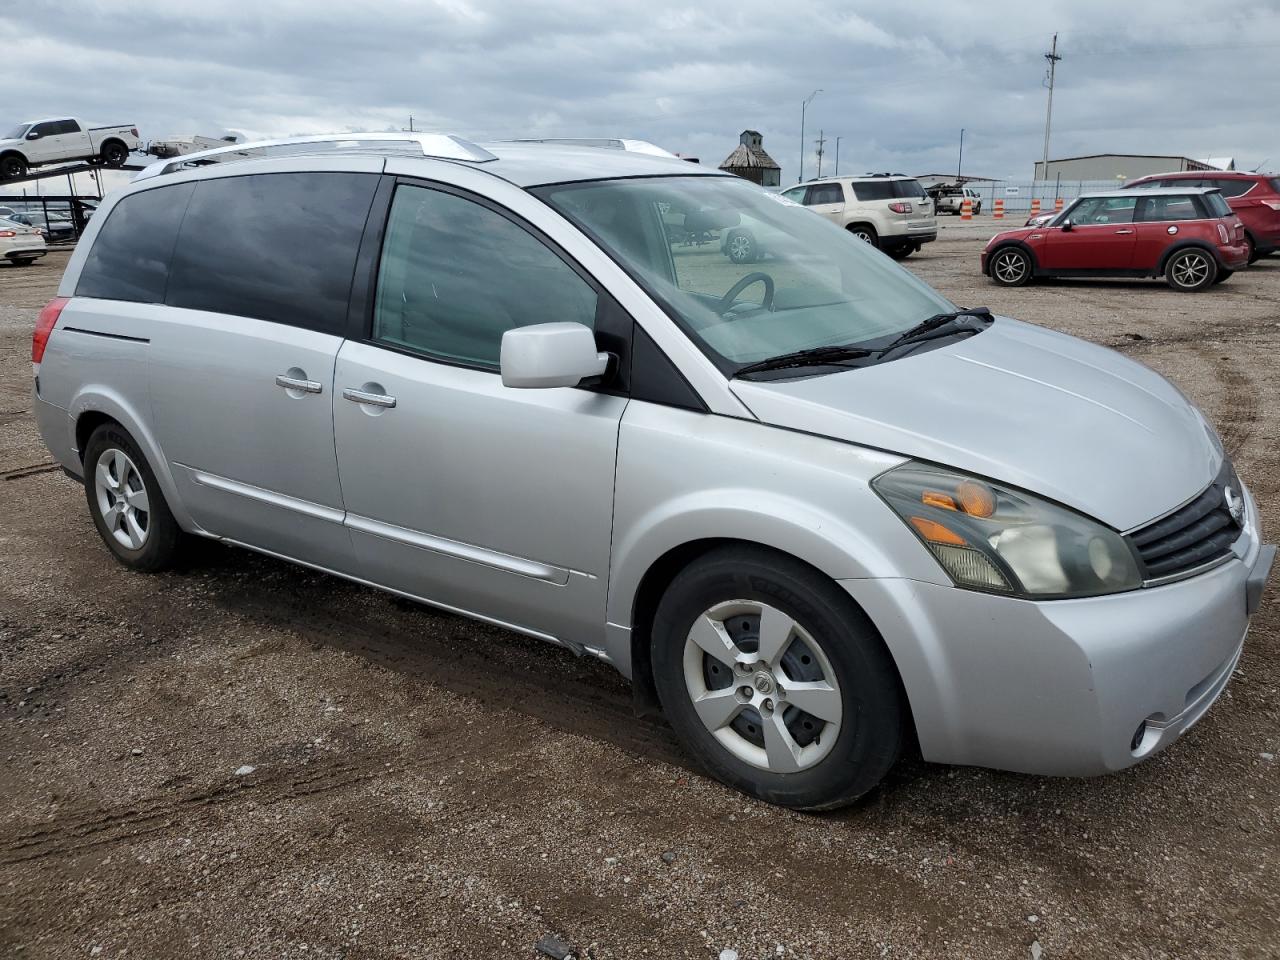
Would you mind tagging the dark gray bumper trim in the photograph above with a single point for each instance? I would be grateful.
(1258, 577)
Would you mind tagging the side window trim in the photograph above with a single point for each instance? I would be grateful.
(613, 322)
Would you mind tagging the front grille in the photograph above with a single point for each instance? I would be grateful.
(1193, 535)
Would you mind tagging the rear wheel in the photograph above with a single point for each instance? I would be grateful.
(741, 247)
(775, 681)
(1010, 266)
(902, 252)
(866, 233)
(125, 501)
(1222, 275)
(1191, 270)
(1251, 248)
(22, 261)
(114, 154)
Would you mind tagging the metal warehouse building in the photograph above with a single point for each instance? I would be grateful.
(1115, 166)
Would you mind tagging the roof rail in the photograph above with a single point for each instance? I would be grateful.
(609, 143)
(442, 146)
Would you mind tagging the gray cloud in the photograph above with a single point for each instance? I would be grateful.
(1163, 76)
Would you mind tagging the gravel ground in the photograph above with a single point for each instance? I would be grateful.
(246, 759)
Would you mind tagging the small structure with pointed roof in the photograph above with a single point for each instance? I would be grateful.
(750, 161)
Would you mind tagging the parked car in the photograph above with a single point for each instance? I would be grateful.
(950, 198)
(812, 509)
(1190, 237)
(20, 244)
(889, 211)
(1255, 198)
(55, 227)
(39, 142)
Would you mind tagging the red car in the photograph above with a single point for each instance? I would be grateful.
(1255, 198)
(1190, 237)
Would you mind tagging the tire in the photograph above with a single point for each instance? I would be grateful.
(22, 261)
(866, 233)
(114, 154)
(144, 535)
(1010, 266)
(741, 247)
(901, 253)
(1222, 275)
(1190, 270)
(764, 743)
(1251, 248)
(12, 167)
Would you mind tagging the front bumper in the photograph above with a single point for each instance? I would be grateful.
(1066, 687)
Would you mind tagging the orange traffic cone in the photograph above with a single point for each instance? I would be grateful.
(1035, 205)
(998, 212)
(1057, 203)
(966, 209)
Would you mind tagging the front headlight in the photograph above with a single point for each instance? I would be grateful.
(994, 538)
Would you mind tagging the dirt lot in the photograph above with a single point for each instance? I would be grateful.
(423, 786)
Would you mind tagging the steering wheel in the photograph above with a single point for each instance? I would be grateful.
(727, 301)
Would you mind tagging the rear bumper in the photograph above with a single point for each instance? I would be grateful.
(1234, 256)
(1066, 687)
(21, 247)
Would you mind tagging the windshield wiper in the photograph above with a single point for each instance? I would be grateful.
(810, 357)
(939, 325)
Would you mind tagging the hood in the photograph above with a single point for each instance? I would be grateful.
(7, 142)
(1071, 421)
(1019, 233)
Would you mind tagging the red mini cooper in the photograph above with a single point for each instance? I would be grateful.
(1190, 237)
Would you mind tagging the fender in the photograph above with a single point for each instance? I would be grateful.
(1183, 245)
(101, 398)
(1021, 245)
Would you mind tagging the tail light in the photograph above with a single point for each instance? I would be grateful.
(8, 233)
(900, 207)
(1223, 235)
(44, 326)
(1273, 204)
(134, 131)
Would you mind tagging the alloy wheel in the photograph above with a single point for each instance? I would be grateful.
(1010, 266)
(763, 686)
(1191, 269)
(122, 499)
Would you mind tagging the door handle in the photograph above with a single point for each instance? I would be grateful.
(372, 399)
(297, 383)
(1118, 232)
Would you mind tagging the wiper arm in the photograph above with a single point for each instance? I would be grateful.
(810, 357)
(935, 326)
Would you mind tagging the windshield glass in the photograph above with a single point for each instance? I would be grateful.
(749, 274)
(18, 132)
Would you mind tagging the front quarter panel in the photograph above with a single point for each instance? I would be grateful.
(684, 477)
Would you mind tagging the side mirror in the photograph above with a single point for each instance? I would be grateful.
(1066, 226)
(33, 135)
(550, 355)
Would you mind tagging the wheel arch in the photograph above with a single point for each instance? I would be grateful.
(96, 405)
(1021, 245)
(107, 141)
(4, 154)
(1181, 245)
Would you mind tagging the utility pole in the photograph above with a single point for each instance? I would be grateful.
(838, 139)
(410, 130)
(1053, 58)
(820, 142)
(960, 162)
(804, 105)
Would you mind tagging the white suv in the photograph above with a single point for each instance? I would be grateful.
(889, 211)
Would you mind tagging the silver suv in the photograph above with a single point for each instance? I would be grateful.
(809, 507)
(889, 211)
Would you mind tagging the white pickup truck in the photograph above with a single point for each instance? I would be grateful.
(38, 142)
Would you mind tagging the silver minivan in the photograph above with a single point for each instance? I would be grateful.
(814, 511)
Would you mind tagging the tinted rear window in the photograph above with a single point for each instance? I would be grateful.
(1230, 186)
(129, 260)
(1219, 207)
(273, 246)
(887, 189)
(1275, 184)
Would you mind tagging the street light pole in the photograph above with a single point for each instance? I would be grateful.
(804, 105)
(960, 162)
(837, 173)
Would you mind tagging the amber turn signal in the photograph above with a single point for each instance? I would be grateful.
(935, 532)
(976, 499)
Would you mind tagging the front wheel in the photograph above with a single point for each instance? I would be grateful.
(866, 233)
(741, 247)
(775, 680)
(13, 167)
(1010, 267)
(1191, 270)
(125, 501)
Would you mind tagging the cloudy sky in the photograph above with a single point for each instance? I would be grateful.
(899, 80)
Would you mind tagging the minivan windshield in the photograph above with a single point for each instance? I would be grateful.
(749, 275)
